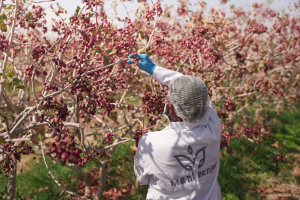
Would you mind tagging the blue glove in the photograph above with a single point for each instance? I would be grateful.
(145, 64)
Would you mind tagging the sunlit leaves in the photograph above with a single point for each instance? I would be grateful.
(3, 26)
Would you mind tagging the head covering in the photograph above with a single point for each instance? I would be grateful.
(189, 96)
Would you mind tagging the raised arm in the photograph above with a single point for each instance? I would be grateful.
(162, 75)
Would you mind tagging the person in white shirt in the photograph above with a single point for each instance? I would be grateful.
(181, 161)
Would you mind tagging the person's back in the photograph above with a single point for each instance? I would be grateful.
(182, 160)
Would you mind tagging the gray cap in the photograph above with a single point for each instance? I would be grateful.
(189, 96)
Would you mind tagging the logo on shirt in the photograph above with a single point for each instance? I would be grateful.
(192, 162)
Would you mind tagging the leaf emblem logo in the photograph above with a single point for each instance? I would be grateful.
(181, 158)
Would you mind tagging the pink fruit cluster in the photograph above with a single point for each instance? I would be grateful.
(64, 148)
(149, 14)
(61, 110)
(250, 132)
(153, 120)
(153, 102)
(257, 28)
(11, 151)
(277, 158)
(3, 43)
(229, 105)
(138, 134)
(37, 51)
(225, 143)
(222, 113)
(108, 138)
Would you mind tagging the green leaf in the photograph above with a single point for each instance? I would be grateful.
(148, 88)
(111, 51)
(149, 53)
(105, 60)
(20, 109)
(39, 136)
(1, 74)
(91, 15)
(59, 7)
(207, 82)
(29, 16)
(3, 17)
(9, 7)
(9, 74)
(137, 23)
(3, 27)
(77, 9)
(132, 80)
(16, 81)
(20, 86)
(7, 67)
(9, 80)
(94, 32)
(2, 140)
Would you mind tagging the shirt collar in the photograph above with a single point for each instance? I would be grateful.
(189, 125)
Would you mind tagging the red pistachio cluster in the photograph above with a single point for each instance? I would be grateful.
(3, 43)
(229, 105)
(225, 139)
(153, 120)
(61, 110)
(149, 14)
(138, 134)
(32, 18)
(250, 132)
(257, 28)
(277, 158)
(11, 151)
(153, 102)
(108, 138)
(64, 148)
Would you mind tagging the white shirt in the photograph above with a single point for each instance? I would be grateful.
(181, 161)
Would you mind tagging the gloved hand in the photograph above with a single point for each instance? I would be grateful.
(145, 64)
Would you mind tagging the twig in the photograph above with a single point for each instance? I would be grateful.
(110, 146)
(18, 140)
(7, 52)
(149, 41)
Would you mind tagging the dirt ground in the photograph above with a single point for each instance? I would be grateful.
(278, 190)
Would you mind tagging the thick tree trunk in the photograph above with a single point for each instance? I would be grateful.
(102, 180)
(11, 186)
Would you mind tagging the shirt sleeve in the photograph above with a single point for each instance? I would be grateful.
(164, 76)
(140, 165)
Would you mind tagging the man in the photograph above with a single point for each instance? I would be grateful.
(182, 160)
